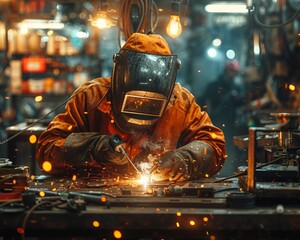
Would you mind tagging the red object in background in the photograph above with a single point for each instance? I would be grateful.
(34, 64)
(29, 6)
(11, 196)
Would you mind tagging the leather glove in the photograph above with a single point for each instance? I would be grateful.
(79, 147)
(170, 166)
(107, 149)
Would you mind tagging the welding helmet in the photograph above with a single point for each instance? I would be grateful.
(143, 79)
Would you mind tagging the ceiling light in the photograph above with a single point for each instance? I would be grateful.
(101, 18)
(174, 28)
(40, 24)
(226, 8)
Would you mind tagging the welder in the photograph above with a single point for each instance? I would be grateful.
(156, 119)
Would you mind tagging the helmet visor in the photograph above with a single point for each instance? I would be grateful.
(142, 85)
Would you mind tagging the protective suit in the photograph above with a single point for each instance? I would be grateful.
(180, 137)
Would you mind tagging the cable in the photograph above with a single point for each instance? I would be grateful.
(8, 203)
(31, 210)
(245, 172)
(292, 18)
(227, 189)
(53, 110)
(147, 17)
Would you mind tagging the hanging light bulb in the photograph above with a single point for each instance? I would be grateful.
(174, 28)
(101, 19)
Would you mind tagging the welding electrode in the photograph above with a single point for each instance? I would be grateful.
(119, 146)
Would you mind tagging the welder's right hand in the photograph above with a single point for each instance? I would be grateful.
(105, 149)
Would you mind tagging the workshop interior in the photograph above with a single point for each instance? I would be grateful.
(49, 48)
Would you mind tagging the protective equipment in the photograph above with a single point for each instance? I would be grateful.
(143, 79)
(103, 150)
(88, 116)
(170, 166)
(181, 163)
(99, 146)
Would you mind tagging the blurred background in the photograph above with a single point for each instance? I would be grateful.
(48, 48)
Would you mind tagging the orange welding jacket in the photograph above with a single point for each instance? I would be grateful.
(182, 123)
(182, 126)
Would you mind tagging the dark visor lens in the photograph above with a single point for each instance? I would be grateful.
(150, 72)
(143, 106)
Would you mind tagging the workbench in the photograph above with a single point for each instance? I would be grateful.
(94, 208)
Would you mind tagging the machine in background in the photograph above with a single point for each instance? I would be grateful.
(273, 159)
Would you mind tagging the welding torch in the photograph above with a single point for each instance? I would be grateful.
(119, 146)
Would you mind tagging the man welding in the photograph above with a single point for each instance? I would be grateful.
(140, 108)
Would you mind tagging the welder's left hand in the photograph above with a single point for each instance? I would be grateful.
(170, 166)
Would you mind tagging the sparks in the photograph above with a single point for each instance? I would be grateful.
(145, 180)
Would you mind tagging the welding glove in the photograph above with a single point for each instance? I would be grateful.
(171, 166)
(191, 161)
(80, 147)
(105, 150)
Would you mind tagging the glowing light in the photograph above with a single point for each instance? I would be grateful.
(96, 224)
(40, 24)
(217, 42)
(206, 175)
(230, 54)
(192, 223)
(205, 219)
(292, 87)
(213, 135)
(74, 177)
(144, 180)
(47, 166)
(174, 28)
(38, 98)
(212, 52)
(32, 177)
(14, 181)
(42, 194)
(226, 8)
(256, 44)
(149, 191)
(178, 214)
(177, 224)
(117, 234)
(103, 199)
(70, 128)
(32, 139)
(20, 230)
(101, 20)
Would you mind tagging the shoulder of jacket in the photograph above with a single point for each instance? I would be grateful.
(93, 90)
(182, 96)
(98, 82)
(94, 85)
